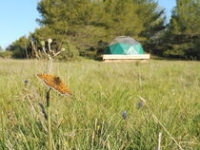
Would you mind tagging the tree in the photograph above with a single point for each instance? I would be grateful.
(185, 18)
(184, 30)
(21, 48)
(153, 19)
(86, 22)
(83, 24)
(1, 49)
(121, 18)
(152, 16)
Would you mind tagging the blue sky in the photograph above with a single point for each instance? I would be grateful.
(18, 18)
(168, 5)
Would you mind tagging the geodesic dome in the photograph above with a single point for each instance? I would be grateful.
(124, 45)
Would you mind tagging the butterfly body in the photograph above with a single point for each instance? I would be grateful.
(55, 83)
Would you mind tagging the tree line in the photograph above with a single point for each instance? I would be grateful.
(73, 28)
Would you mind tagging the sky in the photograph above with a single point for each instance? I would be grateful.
(168, 5)
(18, 18)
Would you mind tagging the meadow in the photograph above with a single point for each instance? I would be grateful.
(116, 106)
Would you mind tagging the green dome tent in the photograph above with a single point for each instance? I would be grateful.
(124, 45)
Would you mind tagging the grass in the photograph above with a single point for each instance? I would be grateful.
(92, 119)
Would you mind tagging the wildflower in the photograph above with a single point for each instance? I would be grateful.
(125, 114)
(98, 130)
(140, 104)
(26, 82)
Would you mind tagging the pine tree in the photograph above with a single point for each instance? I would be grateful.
(86, 22)
(185, 19)
(184, 30)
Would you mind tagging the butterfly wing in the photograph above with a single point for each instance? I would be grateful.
(48, 79)
(55, 83)
(63, 89)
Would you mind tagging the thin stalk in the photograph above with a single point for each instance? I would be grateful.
(2, 124)
(157, 120)
(50, 64)
(49, 120)
(49, 69)
(159, 140)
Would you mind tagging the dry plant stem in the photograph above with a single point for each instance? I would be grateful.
(43, 111)
(159, 140)
(49, 120)
(2, 126)
(157, 120)
(50, 137)
(50, 63)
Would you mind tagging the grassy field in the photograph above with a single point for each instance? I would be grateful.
(158, 96)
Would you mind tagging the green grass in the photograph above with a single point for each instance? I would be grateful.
(92, 119)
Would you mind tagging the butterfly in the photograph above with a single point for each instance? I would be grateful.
(55, 83)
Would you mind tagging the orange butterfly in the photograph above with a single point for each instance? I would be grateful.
(55, 83)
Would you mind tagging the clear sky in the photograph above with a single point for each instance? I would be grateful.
(18, 18)
(168, 5)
